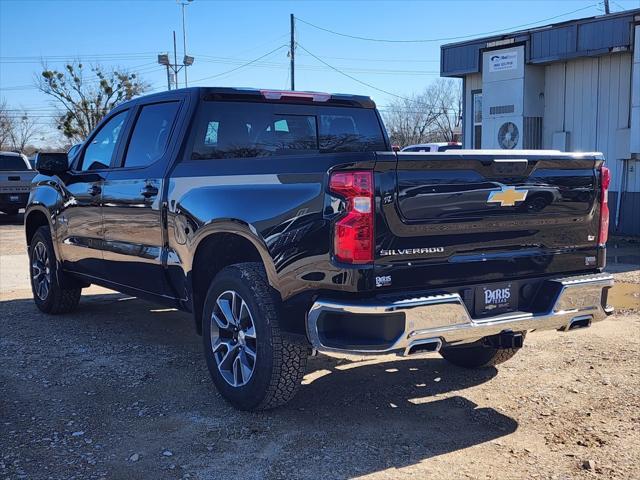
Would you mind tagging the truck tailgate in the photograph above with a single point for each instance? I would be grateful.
(15, 182)
(483, 216)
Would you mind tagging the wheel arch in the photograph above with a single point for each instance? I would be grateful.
(35, 218)
(220, 245)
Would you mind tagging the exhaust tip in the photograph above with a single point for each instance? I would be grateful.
(579, 322)
(426, 345)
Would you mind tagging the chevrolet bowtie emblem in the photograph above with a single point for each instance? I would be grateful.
(507, 196)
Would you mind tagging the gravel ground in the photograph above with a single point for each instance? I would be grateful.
(119, 389)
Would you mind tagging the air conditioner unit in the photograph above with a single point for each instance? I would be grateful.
(513, 100)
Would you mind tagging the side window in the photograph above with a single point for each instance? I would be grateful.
(99, 152)
(151, 134)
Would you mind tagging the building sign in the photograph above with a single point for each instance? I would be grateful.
(501, 62)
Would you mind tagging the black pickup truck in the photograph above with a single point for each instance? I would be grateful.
(286, 224)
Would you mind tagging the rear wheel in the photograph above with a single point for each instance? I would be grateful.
(477, 356)
(48, 293)
(251, 363)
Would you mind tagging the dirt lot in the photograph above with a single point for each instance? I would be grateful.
(120, 390)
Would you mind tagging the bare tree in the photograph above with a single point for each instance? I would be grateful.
(85, 97)
(17, 130)
(6, 126)
(23, 131)
(430, 116)
(449, 122)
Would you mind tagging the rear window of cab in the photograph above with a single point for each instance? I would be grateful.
(243, 129)
(13, 163)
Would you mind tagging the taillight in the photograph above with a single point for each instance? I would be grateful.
(605, 180)
(353, 233)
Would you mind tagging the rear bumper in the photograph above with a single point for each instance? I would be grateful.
(445, 320)
(13, 200)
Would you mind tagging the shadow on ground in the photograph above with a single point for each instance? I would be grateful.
(133, 376)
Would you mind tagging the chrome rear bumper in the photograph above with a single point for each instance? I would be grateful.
(445, 320)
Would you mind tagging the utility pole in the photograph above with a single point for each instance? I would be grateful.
(174, 68)
(292, 53)
(175, 59)
(185, 61)
(607, 11)
(163, 59)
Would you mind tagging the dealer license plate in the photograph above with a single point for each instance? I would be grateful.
(496, 298)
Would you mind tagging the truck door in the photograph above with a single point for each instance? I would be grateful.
(79, 229)
(132, 201)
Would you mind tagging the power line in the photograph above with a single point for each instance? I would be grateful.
(144, 68)
(241, 66)
(385, 60)
(356, 79)
(444, 39)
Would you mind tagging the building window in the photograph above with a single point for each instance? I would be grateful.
(476, 99)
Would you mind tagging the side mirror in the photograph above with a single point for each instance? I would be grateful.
(52, 163)
(395, 148)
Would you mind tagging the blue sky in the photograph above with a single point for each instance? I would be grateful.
(225, 35)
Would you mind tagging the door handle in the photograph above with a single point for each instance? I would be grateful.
(94, 190)
(149, 191)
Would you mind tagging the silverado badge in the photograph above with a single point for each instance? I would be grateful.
(507, 196)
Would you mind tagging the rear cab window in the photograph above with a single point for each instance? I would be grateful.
(12, 163)
(247, 129)
(444, 148)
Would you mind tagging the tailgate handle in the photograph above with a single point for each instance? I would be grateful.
(14, 178)
(510, 166)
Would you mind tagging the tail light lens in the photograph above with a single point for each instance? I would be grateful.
(605, 181)
(353, 233)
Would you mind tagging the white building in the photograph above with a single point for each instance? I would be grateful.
(572, 86)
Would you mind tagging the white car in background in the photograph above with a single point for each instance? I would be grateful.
(433, 147)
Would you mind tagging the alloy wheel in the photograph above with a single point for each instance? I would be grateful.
(41, 270)
(233, 338)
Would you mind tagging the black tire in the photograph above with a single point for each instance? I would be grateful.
(56, 299)
(278, 365)
(477, 356)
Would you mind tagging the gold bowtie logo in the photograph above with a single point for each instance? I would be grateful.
(507, 197)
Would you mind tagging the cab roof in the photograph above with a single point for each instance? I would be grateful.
(264, 96)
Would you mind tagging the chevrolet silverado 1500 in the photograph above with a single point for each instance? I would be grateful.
(286, 225)
(15, 181)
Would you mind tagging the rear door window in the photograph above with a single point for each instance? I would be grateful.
(242, 129)
(150, 135)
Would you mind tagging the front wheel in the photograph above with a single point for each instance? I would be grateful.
(48, 293)
(251, 363)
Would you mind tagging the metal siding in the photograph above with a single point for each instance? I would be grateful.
(554, 101)
(581, 105)
(460, 60)
(606, 33)
(583, 37)
(553, 43)
(630, 214)
(614, 100)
